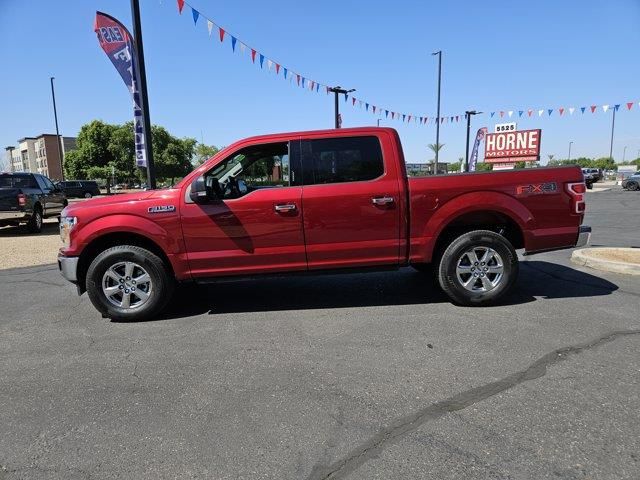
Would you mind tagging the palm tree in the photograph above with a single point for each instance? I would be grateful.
(435, 147)
(550, 157)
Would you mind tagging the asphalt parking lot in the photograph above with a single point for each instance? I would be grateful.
(370, 376)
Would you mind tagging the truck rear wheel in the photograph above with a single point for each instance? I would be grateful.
(478, 268)
(129, 283)
(35, 222)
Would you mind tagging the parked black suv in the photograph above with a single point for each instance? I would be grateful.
(29, 198)
(80, 188)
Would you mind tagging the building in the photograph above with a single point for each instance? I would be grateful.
(421, 169)
(39, 155)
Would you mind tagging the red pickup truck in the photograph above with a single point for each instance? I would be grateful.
(330, 200)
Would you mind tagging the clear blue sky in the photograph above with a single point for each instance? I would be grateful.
(497, 56)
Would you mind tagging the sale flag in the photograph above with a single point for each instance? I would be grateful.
(117, 43)
(473, 161)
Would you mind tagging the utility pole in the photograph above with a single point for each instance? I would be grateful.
(337, 91)
(435, 166)
(58, 139)
(624, 153)
(468, 114)
(144, 99)
(378, 122)
(570, 143)
(613, 125)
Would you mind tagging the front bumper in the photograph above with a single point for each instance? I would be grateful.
(68, 267)
(584, 236)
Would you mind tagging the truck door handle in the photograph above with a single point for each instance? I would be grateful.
(381, 201)
(285, 208)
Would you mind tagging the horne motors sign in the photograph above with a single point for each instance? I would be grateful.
(518, 146)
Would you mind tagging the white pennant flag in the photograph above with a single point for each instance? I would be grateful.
(571, 109)
(209, 26)
(605, 108)
(269, 64)
(360, 103)
(510, 113)
(540, 112)
(242, 47)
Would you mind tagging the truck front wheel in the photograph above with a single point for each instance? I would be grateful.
(478, 268)
(129, 283)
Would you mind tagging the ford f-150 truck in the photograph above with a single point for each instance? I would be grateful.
(331, 200)
(28, 198)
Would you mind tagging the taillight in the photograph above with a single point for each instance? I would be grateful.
(22, 200)
(577, 191)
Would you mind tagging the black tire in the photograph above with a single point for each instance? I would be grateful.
(159, 291)
(633, 186)
(87, 195)
(35, 222)
(477, 293)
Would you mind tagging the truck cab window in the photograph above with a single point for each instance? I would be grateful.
(252, 168)
(342, 159)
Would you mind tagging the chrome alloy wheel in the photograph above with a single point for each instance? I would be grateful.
(480, 269)
(126, 285)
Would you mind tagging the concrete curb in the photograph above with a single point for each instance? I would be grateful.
(586, 257)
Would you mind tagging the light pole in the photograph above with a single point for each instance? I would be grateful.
(468, 115)
(613, 125)
(378, 122)
(435, 166)
(624, 153)
(337, 91)
(144, 99)
(569, 159)
(58, 141)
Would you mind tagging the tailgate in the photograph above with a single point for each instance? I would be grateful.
(9, 199)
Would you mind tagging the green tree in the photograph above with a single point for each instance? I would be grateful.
(456, 166)
(520, 164)
(435, 147)
(172, 156)
(605, 163)
(203, 152)
(484, 167)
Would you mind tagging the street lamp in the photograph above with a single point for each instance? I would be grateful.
(468, 115)
(569, 159)
(613, 125)
(337, 91)
(58, 140)
(378, 122)
(624, 153)
(435, 166)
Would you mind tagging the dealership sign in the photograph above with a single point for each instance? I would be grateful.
(518, 146)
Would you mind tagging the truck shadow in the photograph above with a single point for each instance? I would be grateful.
(49, 227)
(537, 280)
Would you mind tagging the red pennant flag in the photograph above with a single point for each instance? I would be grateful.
(353, 101)
(501, 114)
(222, 32)
(298, 77)
(327, 88)
(393, 114)
(374, 108)
(530, 112)
(629, 105)
(593, 108)
(457, 117)
(313, 84)
(253, 55)
(180, 6)
(408, 118)
(561, 110)
(277, 68)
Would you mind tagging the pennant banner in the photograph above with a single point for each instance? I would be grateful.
(117, 43)
(313, 85)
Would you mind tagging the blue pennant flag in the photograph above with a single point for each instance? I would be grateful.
(303, 79)
(233, 43)
(492, 114)
(285, 73)
(346, 95)
(616, 107)
(582, 109)
(550, 110)
(366, 107)
(520, 112)
(386, 114)
(261, 60)
(195, 14)
(317, 87)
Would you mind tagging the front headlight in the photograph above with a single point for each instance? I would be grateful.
(66, 224)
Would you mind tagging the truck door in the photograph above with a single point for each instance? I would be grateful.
(53, 197)
(256, 226)
(351, 203)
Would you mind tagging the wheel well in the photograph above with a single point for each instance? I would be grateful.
(104, 242)
(481, 220)
(37, 206)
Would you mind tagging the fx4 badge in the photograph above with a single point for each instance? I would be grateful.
(162, 209)
(537, 188)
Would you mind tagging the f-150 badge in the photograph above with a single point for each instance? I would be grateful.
(162, 209)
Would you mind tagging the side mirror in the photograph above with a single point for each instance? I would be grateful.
(203, 193)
